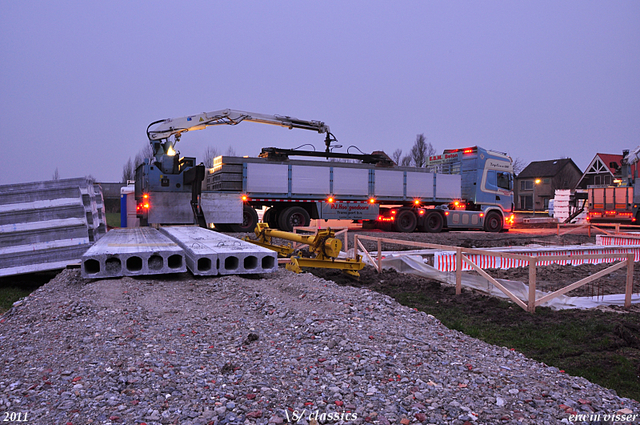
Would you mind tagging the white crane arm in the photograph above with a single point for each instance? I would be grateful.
(164, 129)
(634, 156)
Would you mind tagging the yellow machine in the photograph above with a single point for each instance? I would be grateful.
(323, 245)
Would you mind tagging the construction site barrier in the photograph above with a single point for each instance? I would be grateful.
(466, 256)
(594, 227)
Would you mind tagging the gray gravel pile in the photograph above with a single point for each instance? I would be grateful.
(269, 349)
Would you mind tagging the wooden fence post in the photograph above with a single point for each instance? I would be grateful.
(346, 241)
(629, 287)
(532, 284)
(355, 247)
(379, 256)
(458, 271)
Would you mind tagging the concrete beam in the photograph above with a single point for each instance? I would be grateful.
(48, 225)
(132, 252)
(210, 253)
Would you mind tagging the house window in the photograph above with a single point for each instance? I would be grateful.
(526, 202)
(546, 181)
(526, 184)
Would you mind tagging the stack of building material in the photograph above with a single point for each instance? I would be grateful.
(48, 225)
(132, 252)
(562, 207)
(211, 253)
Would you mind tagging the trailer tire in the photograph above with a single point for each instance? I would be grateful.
(293, 217)
(493, 222)
(249, 221)
(433, 222)
(271, 217)
(405, 221)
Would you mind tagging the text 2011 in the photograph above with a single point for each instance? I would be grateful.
(15, 417)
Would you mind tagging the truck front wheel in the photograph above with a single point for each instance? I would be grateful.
(493, 222)
(433, 222)
(405, 221)
(293, 217)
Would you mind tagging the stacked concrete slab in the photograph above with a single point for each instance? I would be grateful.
(132, 252)
(209, 253)
(48, 225)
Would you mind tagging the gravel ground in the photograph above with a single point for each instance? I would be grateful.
(266, 349)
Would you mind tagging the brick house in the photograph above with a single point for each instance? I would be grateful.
(542, 178)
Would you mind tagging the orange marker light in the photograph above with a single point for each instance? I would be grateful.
(468, 150)
(446, 213)
(146, 206)
(416, 201)
(481, 214)
(244, 198)
(393, 211)
(421, 212)
(330, 199)
(145, 196)
(372, 200)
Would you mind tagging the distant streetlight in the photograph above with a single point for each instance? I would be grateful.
(535, 182)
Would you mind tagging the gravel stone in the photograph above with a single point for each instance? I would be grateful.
(265, 350)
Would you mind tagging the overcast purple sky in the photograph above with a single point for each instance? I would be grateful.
(81, 80)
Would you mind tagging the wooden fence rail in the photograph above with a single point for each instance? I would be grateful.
(530, 306)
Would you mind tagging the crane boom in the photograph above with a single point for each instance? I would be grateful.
(163, 129)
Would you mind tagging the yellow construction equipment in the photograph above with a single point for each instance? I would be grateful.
(323, 245)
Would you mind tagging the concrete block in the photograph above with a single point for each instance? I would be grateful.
(209, 253)
(132, 252)
(48, 225)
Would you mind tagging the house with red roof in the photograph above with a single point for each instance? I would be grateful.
(605, 170)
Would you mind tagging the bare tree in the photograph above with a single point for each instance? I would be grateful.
(406, 161)
(421, 151)
(231, 151)
(56, 175)
(144, 153)
(396, 156)
(128, 171)
(129, 168)
(518, 165)
(209, 154)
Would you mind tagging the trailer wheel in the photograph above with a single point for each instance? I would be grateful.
(249, 221)
(433, 223)
(405, 221)
(493, 222)
(271, 217)
(293, 217)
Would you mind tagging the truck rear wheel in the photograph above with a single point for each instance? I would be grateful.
(293, 217)
(249, 221)
(405, 221)
(271, 218)
(433, 223)
(493, 222)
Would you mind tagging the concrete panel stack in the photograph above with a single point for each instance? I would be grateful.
(132, 252)
(562, 207)
(48, 225)
(209, 253)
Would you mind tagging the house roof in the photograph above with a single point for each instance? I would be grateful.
(548, 168)
(608, 158)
